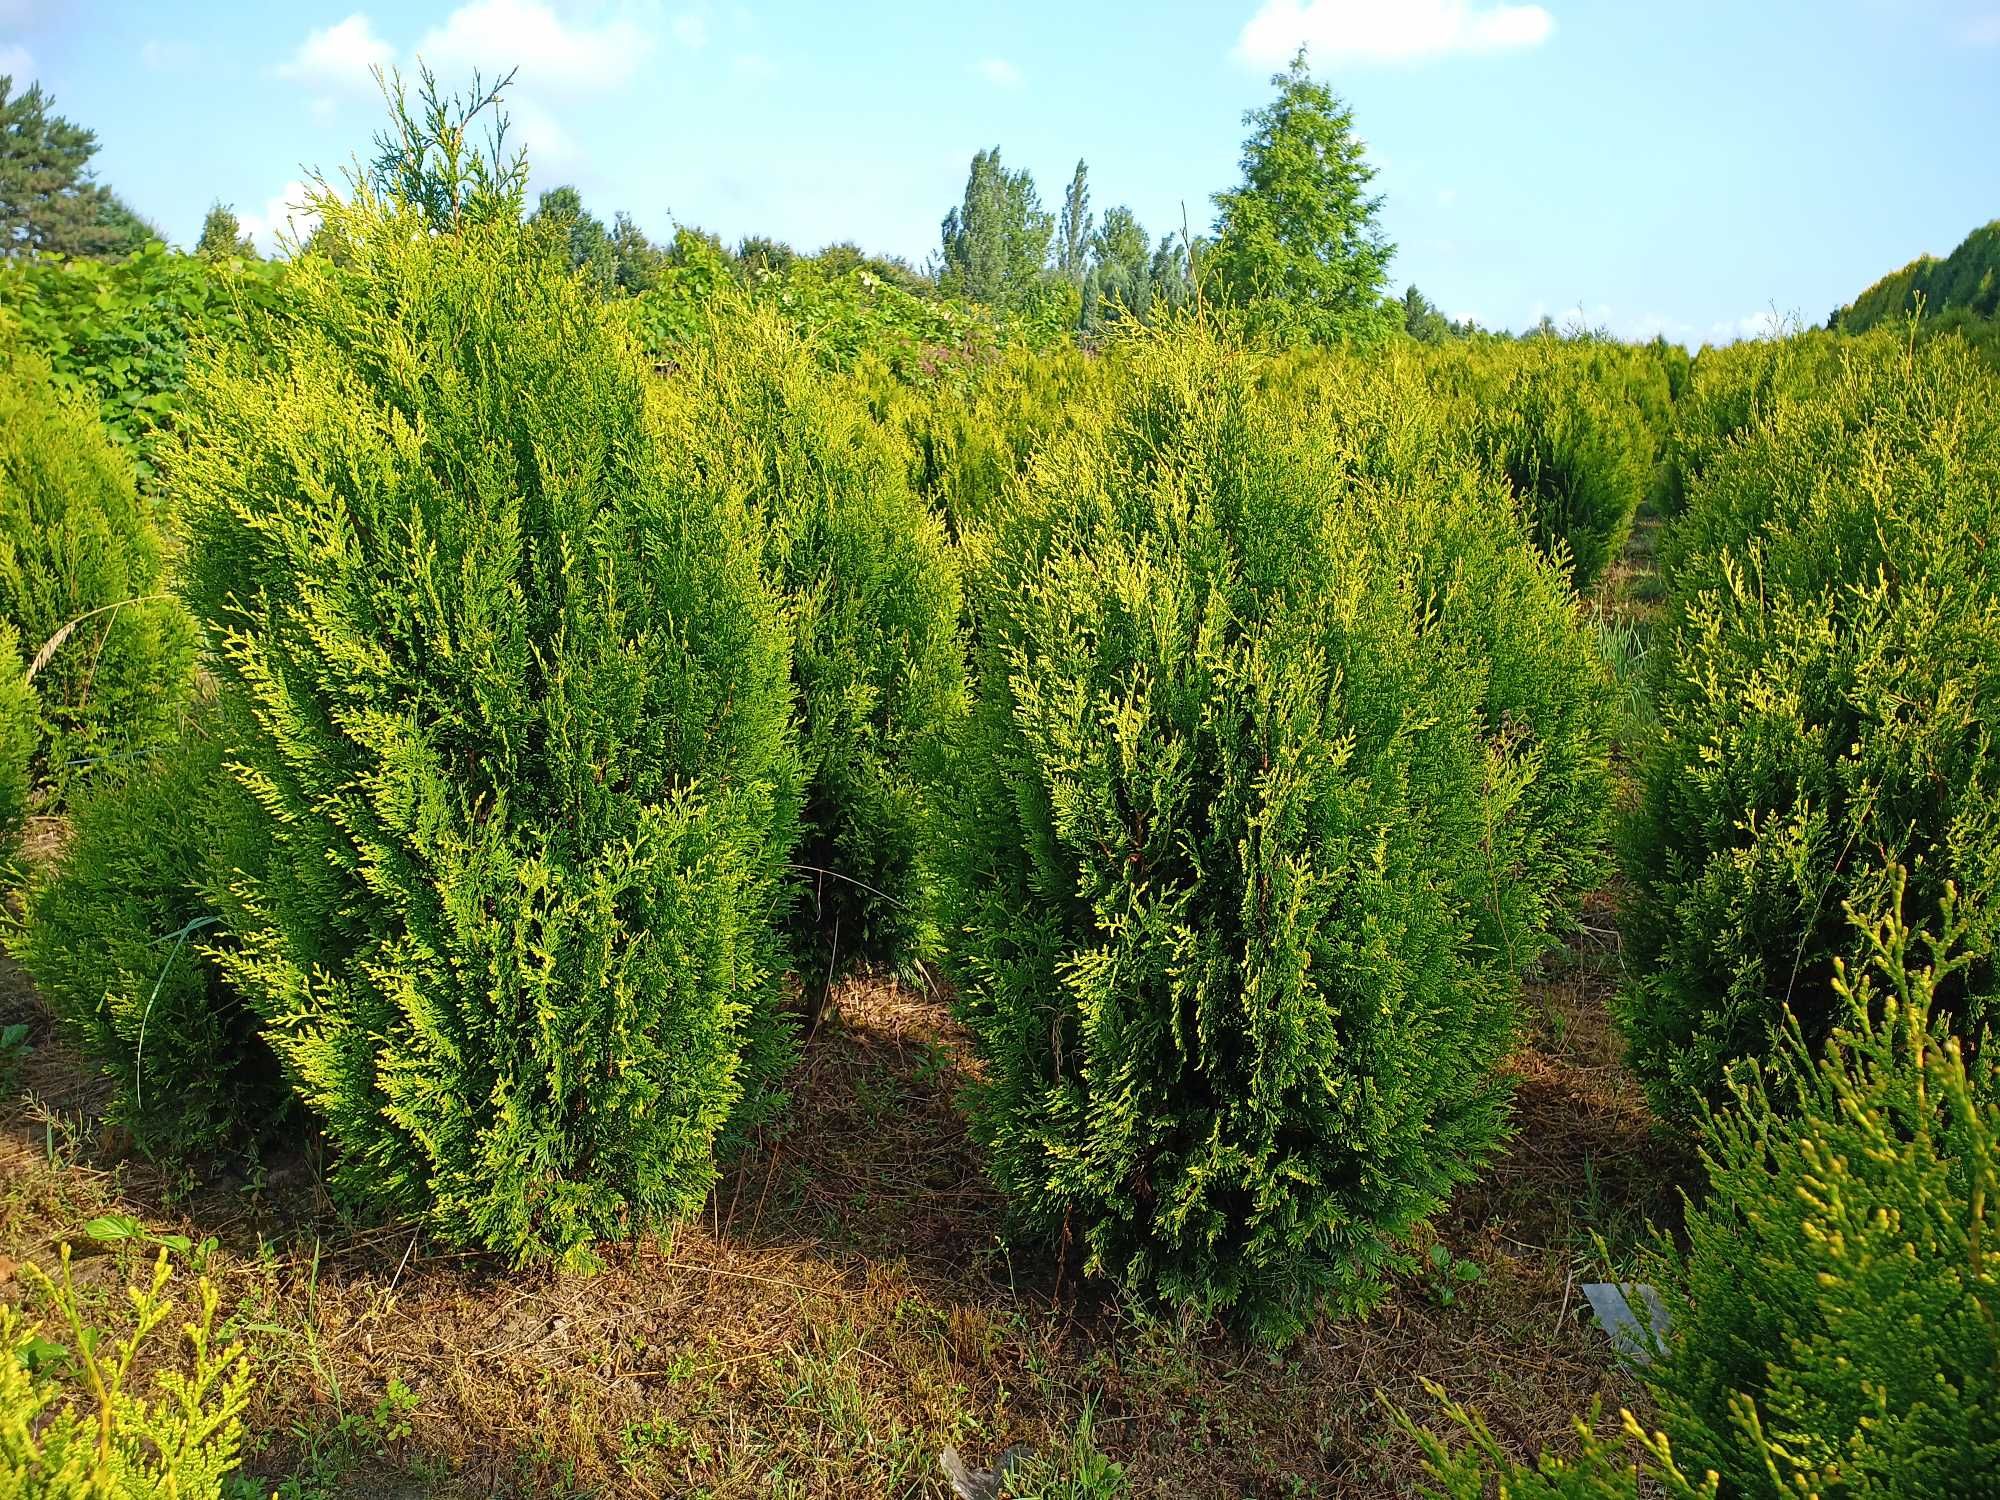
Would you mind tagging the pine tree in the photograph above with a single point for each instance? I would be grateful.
(222, 236)
(49, 203)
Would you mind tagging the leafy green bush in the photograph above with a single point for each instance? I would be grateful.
(1835, 1326)
(81, 581)
(74, 1424)
(1560, 419)
(511, 700)
(1826, 682)
(877, 656)
(119, 938)
(118, 332)
(1219, 863)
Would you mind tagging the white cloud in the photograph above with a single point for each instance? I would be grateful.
(1388, 30)
(1984, 31)
(495, 35)
(339, 56)
(168, 57)
(998, 72)
(283, 216)
(690, 30)
(17, 65)
(550, 148)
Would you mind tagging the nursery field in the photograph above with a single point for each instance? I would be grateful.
(775, 877)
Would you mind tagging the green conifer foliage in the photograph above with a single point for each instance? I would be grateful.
(1826, 680)
(121, 938)
(1561, 421)
(81, 581)
(1727, 392)
(19, 733)
(1218, 864)
(1497, 613)
(872, 589)
(1845, 1323)
(1836, 1309)
(512, 707)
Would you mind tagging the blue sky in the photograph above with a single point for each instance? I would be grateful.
(1689, 168)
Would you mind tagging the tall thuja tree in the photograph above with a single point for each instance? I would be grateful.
(1219, 855)
(1073, 231)
(996, 243)
(1297, 246)
(511, 703)
(49, 202)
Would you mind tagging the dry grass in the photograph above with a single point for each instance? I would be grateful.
(846, 1307)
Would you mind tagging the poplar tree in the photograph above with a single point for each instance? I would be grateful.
(1073, 239)
(996, 242)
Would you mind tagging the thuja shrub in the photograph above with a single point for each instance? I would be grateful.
(1559, 419)
(19, 734)
(1826, 681)
(971, 436)
(510, 699)
(139, 1406)
(1834, 1322)
(1496, 612)
(1217, 865)
(82, 581)
(121, 937)
(871, 586)
(1727, 391)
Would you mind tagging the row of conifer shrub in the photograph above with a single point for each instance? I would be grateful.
(1811, 936)
(559, 712)
(1826, 680)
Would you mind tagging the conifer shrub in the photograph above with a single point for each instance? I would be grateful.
(82, 582)
(1834, 1326)
(1826, 681)
(972, 437)
(78, 1421)
(121, 938)
(510, 699)
(19, 734)
(1219, 863)
(1726, 392)
(1560, 421)
(1497, 613)
(872, 589)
